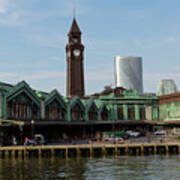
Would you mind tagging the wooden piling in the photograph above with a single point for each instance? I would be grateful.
(52, 152)
(126, 151)
(155, 149)
(1, 154)
(25, 153)
(167, 149)
(142, 149)
(78, 152)
(66, 153)
(39, 152)
(179, 149)
(104, 152)
(91, 151)
(6, 154)
(20, 154)
(13, 154)
(116, 151)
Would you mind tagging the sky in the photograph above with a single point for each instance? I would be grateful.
(33, 36)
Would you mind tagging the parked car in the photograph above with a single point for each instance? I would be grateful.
(176, 132)
(109, 138)
(160, 132)
(133, 133)
(114, 138)
(38, 140)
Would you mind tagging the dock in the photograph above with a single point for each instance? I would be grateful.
(88, 150)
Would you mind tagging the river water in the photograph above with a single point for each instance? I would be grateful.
(104, 168)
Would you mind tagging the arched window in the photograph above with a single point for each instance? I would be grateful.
(77, 113)
(104, 113)
(21, 108)
(92, 113)
(55, 111)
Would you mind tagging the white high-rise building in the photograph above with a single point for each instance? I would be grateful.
(166, 86)
(128, 72)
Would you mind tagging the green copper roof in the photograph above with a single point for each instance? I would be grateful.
(5, 86)
(22, 86)
(75, 100)
(91, 102)
(55, 94)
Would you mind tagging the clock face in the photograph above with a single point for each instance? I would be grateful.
(76, 52)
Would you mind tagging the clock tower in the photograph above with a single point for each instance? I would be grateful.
(75, 68)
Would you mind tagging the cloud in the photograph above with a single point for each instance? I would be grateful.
(26, 65)
(150, 43)
(8, 13)
(3, 6)
(43, 75)
(7, 75)
(98, 76)
(48, 40)
(55, 58)
(10, 19)
(45, 80)
(172, 40)
(177, 68)
(162, 75)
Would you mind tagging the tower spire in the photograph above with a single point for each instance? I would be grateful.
(74, 27)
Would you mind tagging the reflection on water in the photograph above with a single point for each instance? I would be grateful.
(109, 168)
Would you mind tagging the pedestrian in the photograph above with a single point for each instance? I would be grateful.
(14, 141)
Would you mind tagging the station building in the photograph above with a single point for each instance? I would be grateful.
(25, 111)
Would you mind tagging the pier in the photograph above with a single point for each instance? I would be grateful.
(88, 150)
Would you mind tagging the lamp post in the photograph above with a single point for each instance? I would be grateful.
(32, 128)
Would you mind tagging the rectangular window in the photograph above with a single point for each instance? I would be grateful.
(131, 113)
(142, 114)
(120, 113)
